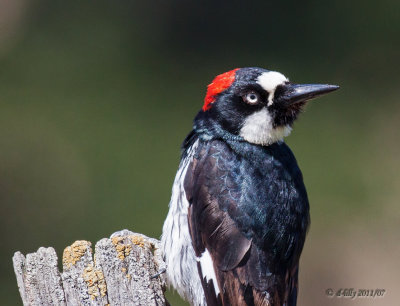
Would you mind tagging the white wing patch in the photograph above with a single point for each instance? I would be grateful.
(269, 81)
(207, 268)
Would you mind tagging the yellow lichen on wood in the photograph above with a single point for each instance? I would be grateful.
(101, 283)
(123, 249)
(95, 281)
(124, 246)
(138, 240)
(74, 252)
(125, 271)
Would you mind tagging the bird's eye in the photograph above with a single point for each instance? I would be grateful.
(251, 97)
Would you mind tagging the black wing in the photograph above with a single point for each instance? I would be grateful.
(228, 220)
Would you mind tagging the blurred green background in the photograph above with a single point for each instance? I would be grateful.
(97, 96)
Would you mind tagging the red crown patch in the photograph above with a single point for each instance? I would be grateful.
(218, 85)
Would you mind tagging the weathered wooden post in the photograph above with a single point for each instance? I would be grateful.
(121, 272)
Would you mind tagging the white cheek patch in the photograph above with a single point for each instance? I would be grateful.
(258, 129)
(269, 81)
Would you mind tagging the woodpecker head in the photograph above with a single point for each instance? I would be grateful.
(255, 104)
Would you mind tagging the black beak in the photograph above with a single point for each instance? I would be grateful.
(296, 93)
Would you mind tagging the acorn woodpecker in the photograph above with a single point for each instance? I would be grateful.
(239, 211)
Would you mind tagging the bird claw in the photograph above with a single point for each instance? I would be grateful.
(163, 270)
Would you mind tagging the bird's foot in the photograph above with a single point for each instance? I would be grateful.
(159, 273)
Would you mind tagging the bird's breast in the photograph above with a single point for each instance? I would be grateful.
(262, 190)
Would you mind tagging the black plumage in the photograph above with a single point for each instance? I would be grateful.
(239, 194)
(249, 208)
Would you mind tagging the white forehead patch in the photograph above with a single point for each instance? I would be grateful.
(257, 128)
(269, 81)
